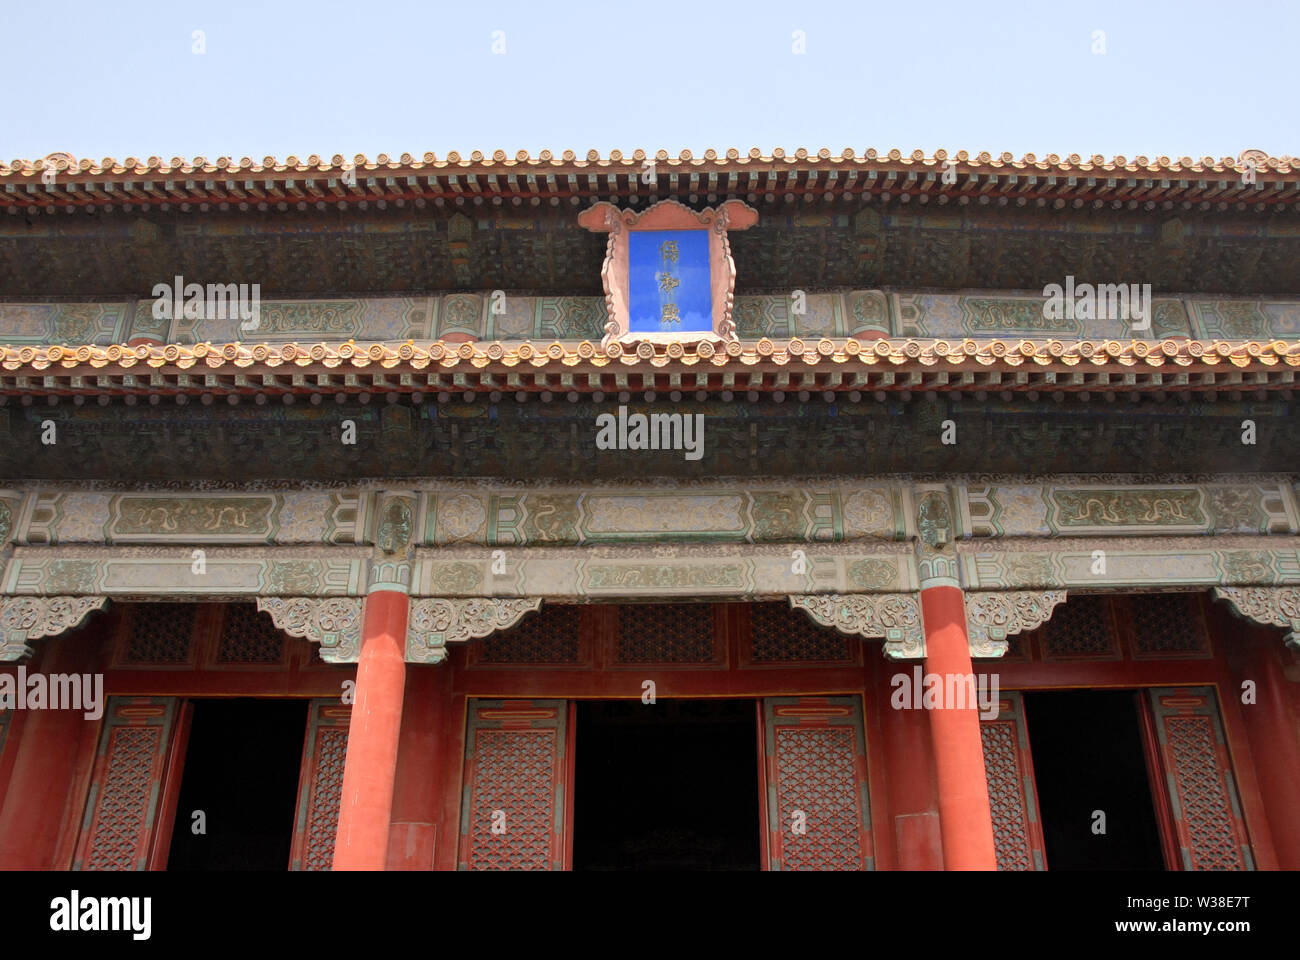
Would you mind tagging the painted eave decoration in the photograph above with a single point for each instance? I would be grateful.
(668, 273)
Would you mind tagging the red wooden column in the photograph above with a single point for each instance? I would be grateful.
(964, 815)
(365, 808)
(1271, 727)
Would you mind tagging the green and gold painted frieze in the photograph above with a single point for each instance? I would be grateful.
(502, 315)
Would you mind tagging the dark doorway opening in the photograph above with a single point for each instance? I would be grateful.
(1088, 756)
(666, 786)
(241, 770)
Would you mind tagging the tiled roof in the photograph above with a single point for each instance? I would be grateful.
(60, 181)
(765, 365)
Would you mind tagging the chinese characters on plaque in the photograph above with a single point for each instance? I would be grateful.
(670, 283)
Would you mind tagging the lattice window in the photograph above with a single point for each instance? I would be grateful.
(665, 633)
(321, 787)
(1008, 768)
(161, 633)
(125, 790)
(514, 786)
(816, 767)
(248, 636)
(785, 635)
(1168, 625)
(1080, 629)
(1207, 814)
(550, 636)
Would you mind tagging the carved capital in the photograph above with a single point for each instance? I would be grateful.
(992, 617)
(894, 617)
(437, 621)
(333, 622)
(30, 618)
(1271, 606)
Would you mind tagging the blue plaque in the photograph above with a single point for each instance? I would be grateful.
(670, 289)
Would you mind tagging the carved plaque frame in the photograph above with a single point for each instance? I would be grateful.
(667, 215)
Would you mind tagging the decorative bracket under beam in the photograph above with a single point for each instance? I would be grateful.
(437, 621)
(30, 618)
(332, 622)
(1271, 606)
(894, 617)
(993, 616)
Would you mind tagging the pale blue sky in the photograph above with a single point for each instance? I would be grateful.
(278, 78)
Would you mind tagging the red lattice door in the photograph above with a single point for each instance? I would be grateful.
(320, 786)
(1201, 789)
(513, 812)
(1013, 796)
(818, 810)
(124, 805)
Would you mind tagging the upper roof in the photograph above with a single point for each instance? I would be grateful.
(1252, 176)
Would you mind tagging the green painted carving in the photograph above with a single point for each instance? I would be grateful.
(778, 516)
(665, 576)
(293, 577)
(71, 576)
(868, 313)
(1248, 566)
(395, 530)
(933, 520)
(179, 516)
(1237, 509)
(872, 574)
(1153, 507)
(455, 578)
(6, 521)
(1028, 570)
(551, 518)
(993, 317)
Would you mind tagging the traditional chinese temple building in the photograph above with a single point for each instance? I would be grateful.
(616, 512)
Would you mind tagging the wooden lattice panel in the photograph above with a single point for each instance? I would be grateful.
(1082, 628)
(159, 634)
(815, 765)
(781, 634)
(1013, 797)
(1168, 626)
(679, 633)
(1198, 772)
(513, 809)
(249, 637)
(123, 805)
(549, 637)
(320, 786)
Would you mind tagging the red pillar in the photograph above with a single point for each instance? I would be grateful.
(918, 840)
(1271, 728)
(964, 814)
(417, 798)
(42, 805)
(365, 808)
